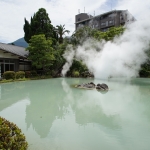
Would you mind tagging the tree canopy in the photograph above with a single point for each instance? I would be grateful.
(87, 32)
(40, 23)
(109, 34)
(40, 52)
(60, 30)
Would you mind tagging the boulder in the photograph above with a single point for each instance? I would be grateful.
(91, 85)
(102, 87)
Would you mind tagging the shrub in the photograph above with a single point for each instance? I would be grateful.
(11, 136)
(52, 73)
(75, 74)
(49, 72)
(77, 65)
(145, 70)
(9, 75)
(33, 73)
(20, 74)
(27, 74)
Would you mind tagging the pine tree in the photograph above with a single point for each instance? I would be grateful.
(40, 23)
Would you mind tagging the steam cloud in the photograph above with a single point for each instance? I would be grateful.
(68, 55)
(121, 57)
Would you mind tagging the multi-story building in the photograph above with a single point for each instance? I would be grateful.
(104, 21)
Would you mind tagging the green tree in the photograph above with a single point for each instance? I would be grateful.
(110, 34)
(59, 59)
(60, 30)
(87, 32)
(40, 24)
(27, 30)
(81, 35)
(145, 68)
(40, 52)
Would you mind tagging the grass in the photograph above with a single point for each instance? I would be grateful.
(25, 79)
(11, 80)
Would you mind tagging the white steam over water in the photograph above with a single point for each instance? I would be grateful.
(123, 56)
(69, 55)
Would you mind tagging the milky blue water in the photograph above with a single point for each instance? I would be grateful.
(54, 115)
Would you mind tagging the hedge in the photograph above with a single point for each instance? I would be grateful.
(20, 74)
(9, 75)
(33, 73)
(27, 74)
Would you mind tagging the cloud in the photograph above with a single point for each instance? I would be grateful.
(139, 8)
(12, 14)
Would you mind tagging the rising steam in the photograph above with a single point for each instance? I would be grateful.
(68, 55)
(121, 57)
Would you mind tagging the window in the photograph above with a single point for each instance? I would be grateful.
(110, 21)
(103, 24)
(11, 67)
(7, 65)
(78, 19)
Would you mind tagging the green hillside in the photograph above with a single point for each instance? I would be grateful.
(20, 42)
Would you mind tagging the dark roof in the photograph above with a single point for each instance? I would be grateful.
(16, 50)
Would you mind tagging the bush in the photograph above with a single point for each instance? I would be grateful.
(145, 70)
(48, 72)
(77, 65)
(9, 75)
(33, 73)
(27, 74)
(20, 74)
(75, 74)
(11, 137)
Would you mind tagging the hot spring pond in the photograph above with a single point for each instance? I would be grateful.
(54, 115)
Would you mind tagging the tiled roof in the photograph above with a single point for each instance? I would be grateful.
(17, 50)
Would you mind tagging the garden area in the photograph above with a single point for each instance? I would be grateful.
(47, 48)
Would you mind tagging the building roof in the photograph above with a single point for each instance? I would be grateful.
(16, 50)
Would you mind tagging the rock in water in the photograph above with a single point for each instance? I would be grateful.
(102, 86)
(91, 85)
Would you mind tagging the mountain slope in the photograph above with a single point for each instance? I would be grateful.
(20, 42)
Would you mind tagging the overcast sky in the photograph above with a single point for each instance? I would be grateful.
(13, 12)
